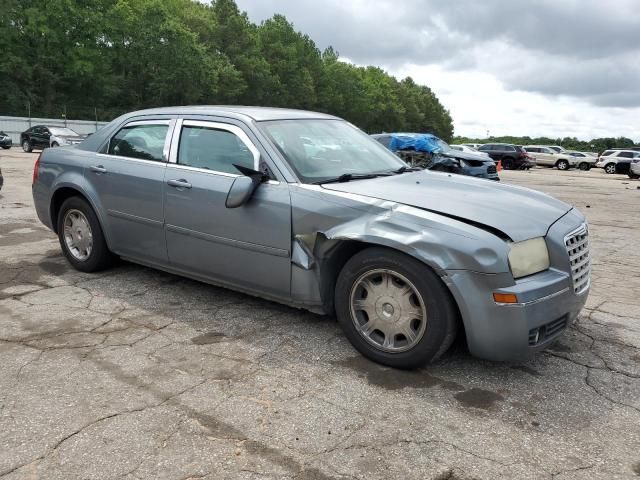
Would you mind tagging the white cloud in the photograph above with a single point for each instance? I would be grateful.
(542, 67)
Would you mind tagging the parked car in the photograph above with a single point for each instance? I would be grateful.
(403, 258)
(616, 161)
(584, 160)
(634, 168)
(472, 145)
(557, 148)
(428, 151)
(513, 157)
(42, 136)
(5, 140)
(468, 149)
(547, 156)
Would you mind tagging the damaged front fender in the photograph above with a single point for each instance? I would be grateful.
(329, 227)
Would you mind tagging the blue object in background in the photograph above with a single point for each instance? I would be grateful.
(420, 142)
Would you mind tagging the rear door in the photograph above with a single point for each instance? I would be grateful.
(128, 177)
(248, 246)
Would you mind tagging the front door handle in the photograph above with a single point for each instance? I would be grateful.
(98, 169)
(182, 183)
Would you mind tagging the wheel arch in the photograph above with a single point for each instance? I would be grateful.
(65, 191)
(333, 253)
(340, 250)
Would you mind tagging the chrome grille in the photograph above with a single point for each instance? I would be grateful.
(577, 243)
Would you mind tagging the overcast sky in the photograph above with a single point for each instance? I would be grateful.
(513, 67)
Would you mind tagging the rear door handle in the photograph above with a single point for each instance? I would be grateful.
(182, 183)
(98, 169)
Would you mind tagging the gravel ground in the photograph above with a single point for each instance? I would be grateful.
(134, 373)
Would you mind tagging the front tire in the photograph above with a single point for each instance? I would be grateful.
(55, 144)
(6, 147)
(562, 165)
(633, 176)
(610, 168)
(394, 309)
(26, 146)
(81, 236)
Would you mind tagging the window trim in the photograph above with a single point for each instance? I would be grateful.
(165, 149)
(237, 131)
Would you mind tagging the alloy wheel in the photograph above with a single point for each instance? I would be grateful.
(388, 311)
(77, 234)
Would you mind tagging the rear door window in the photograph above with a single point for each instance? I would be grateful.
(142, 141)
(625, 154)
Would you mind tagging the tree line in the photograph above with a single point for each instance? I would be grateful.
(570, 143)
(96, 59)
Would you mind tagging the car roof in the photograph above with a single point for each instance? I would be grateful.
(255, 113)
(620, 150)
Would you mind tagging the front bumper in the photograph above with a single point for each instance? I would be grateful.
(635, 168)
(547, 303)
(6, 143)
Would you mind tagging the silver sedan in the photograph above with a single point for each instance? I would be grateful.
(305, 209)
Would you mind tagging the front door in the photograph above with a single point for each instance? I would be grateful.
(248, 246)
(129, 179)
(40, 137)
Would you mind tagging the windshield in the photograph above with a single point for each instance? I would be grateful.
(319, 150)
(62, 132)
(443, 146)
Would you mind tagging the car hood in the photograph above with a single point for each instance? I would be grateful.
(467, 155)
(519, 213)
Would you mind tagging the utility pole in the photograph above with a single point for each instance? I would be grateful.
(29, 112)
(95, 112)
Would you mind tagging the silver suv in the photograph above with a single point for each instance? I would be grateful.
(547, 156)
(305, 209)
(617, 160)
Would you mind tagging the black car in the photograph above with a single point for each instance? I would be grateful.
(42, 136)
(444, 159)
(513, 157)
(5, 140)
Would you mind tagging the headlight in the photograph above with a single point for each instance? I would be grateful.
(528, 257)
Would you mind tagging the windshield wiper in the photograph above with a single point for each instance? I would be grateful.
(346, 177)
(406, 169)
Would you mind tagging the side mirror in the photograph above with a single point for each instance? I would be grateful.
(240, 192)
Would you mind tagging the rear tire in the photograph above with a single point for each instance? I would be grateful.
(633, 176)
(610, 168)
(507, 163)
(6, 147)
(55, 144)
(584, 166)
(562, 165)
(409, 298)
(26, 146)
(85, 257)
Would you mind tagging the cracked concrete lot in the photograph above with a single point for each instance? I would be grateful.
(137, 374)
